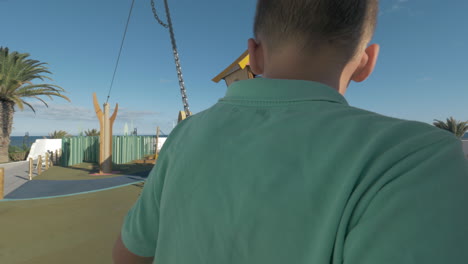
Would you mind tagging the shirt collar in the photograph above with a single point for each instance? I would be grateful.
(282, 90)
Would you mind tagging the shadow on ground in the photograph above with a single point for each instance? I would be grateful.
(57, 181)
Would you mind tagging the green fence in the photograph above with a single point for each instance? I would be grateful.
(125, 149)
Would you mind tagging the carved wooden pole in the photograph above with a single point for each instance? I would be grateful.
(107, 156)
(106, 124)
(2, 182)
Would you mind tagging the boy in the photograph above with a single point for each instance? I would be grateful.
(283, 170)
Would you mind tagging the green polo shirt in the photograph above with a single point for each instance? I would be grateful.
(284, 171)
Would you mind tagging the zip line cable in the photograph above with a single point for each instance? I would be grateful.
(120, 51)
(183, 91)
(162, 133)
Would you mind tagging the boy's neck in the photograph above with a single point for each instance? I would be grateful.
(323, 67)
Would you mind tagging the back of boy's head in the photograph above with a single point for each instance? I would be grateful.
(342, 24)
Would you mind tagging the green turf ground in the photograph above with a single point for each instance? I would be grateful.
(76, 229)
(82, 171)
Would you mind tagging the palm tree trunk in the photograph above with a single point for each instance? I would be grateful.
(6, 121)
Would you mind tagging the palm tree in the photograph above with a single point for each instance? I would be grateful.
(59, 134)
(92, 132)
(17, 72)
(456, 127)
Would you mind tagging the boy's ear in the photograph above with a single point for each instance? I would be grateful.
(256, 57)
(367, 63)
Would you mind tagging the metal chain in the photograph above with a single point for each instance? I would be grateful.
(156, 15)
(176, 54)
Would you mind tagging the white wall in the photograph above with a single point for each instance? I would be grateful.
(161, 141)
(41, 146)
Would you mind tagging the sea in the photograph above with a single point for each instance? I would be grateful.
(19, 140)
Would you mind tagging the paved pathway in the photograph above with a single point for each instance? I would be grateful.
(16, 174)
(18, 185)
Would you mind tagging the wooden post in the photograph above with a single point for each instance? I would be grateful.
(39, 165)
(157, 142)
(51, 159)
(31, 168)
(47, 160)
(2, 182)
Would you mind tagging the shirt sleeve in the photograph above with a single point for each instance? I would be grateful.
(141, 225)
(420, 215)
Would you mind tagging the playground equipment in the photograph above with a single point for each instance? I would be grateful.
(182, 114)
(151, 159)
(186, 113)
(106, 124)
(238, 70)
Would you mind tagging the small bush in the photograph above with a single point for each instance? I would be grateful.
(18, 156)
(18, 153)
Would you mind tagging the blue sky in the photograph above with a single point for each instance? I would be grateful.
(421, 74)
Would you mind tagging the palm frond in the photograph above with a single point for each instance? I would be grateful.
(17, 73)
(59, 134)
(458, 128)
(30, 106)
